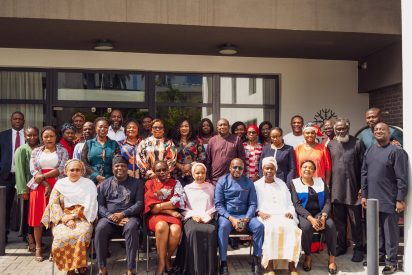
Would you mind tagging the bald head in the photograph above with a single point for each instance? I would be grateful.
(236, 168)
(223, 127)
(382, 133)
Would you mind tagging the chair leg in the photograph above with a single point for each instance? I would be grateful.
(91, 258)
(147, 254)
(138, 248)
(52, 267)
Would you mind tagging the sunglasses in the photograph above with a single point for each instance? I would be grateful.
(157, 127)
(237, 168)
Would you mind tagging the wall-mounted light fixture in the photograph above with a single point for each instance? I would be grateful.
(228, 49)
(363, 65)
(103, 45)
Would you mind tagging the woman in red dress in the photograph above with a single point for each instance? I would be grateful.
(46, 165)
(163, 197)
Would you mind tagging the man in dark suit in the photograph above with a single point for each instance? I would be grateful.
(10, 140)
(384, 177)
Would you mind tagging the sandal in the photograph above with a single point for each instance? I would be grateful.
(307, 266)
(38, 259)
(332, 270)
(31, 246)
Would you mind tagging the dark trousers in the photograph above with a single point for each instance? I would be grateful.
(105, 229)
(341, 213)
(10, 184)
(388, 237)
(254, 226)
(307, 235)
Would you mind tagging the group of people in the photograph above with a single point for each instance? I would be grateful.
(193, 188)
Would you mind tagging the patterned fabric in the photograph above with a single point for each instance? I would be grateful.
(153, 149)
(98, 158)
(62, 155)
(158, 192)
(253, 153)
(129, 151)
(193, 151)
(69, 248)
(319, 154)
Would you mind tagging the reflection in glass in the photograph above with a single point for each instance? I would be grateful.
(22, 85)
(245, 90)
(248, 115)
(170, 115)
(183, 89)
(102, 86)
(33, 114)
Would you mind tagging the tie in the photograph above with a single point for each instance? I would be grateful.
(17, 143)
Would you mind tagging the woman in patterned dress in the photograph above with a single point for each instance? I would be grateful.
(253, 150)
(163, 197)
(128, 147)
(188, 150)
(71, 211)
(46, 166)
(155, 148)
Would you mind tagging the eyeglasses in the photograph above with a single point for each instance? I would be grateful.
(237, 168)
(75, 170)
(251, 132)
(161, 170)
(158, 127)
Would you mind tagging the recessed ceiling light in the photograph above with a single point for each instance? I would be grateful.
(103, 45)
(228, 49)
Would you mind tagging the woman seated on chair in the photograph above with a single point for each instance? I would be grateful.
(71, 211)
(163, 197)
(197, 251)
(311, 199)
(281, 245)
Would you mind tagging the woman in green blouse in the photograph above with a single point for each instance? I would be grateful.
(22, 166)
(98, 152)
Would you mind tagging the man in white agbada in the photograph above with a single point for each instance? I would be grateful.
(281, 246)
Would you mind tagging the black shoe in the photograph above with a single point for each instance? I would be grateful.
(358, 256)
(389, 269)
(381, 262)
(256, 266)
(223, 268)
(234, 243)
(341, 251)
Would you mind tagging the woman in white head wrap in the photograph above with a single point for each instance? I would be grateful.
(198, 248)
(71, 211)
(281, 246)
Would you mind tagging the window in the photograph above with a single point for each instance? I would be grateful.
(179, 96)
(102, 86)
(23, 91)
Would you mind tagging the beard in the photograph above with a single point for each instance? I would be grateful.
(343, 139)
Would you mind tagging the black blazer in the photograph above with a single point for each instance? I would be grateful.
(6, 154)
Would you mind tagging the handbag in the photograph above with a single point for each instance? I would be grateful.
(32, 185)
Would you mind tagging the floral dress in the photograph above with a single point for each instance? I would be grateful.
(69, 248)
(188, 153)
(158, 192)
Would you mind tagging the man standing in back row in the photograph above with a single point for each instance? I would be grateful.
(346, 153)
(221, 150)
(385, 178)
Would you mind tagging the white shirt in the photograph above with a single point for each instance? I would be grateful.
(13, 141)
(117, 136)
(292, 140)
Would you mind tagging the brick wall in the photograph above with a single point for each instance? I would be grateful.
(389, 100)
